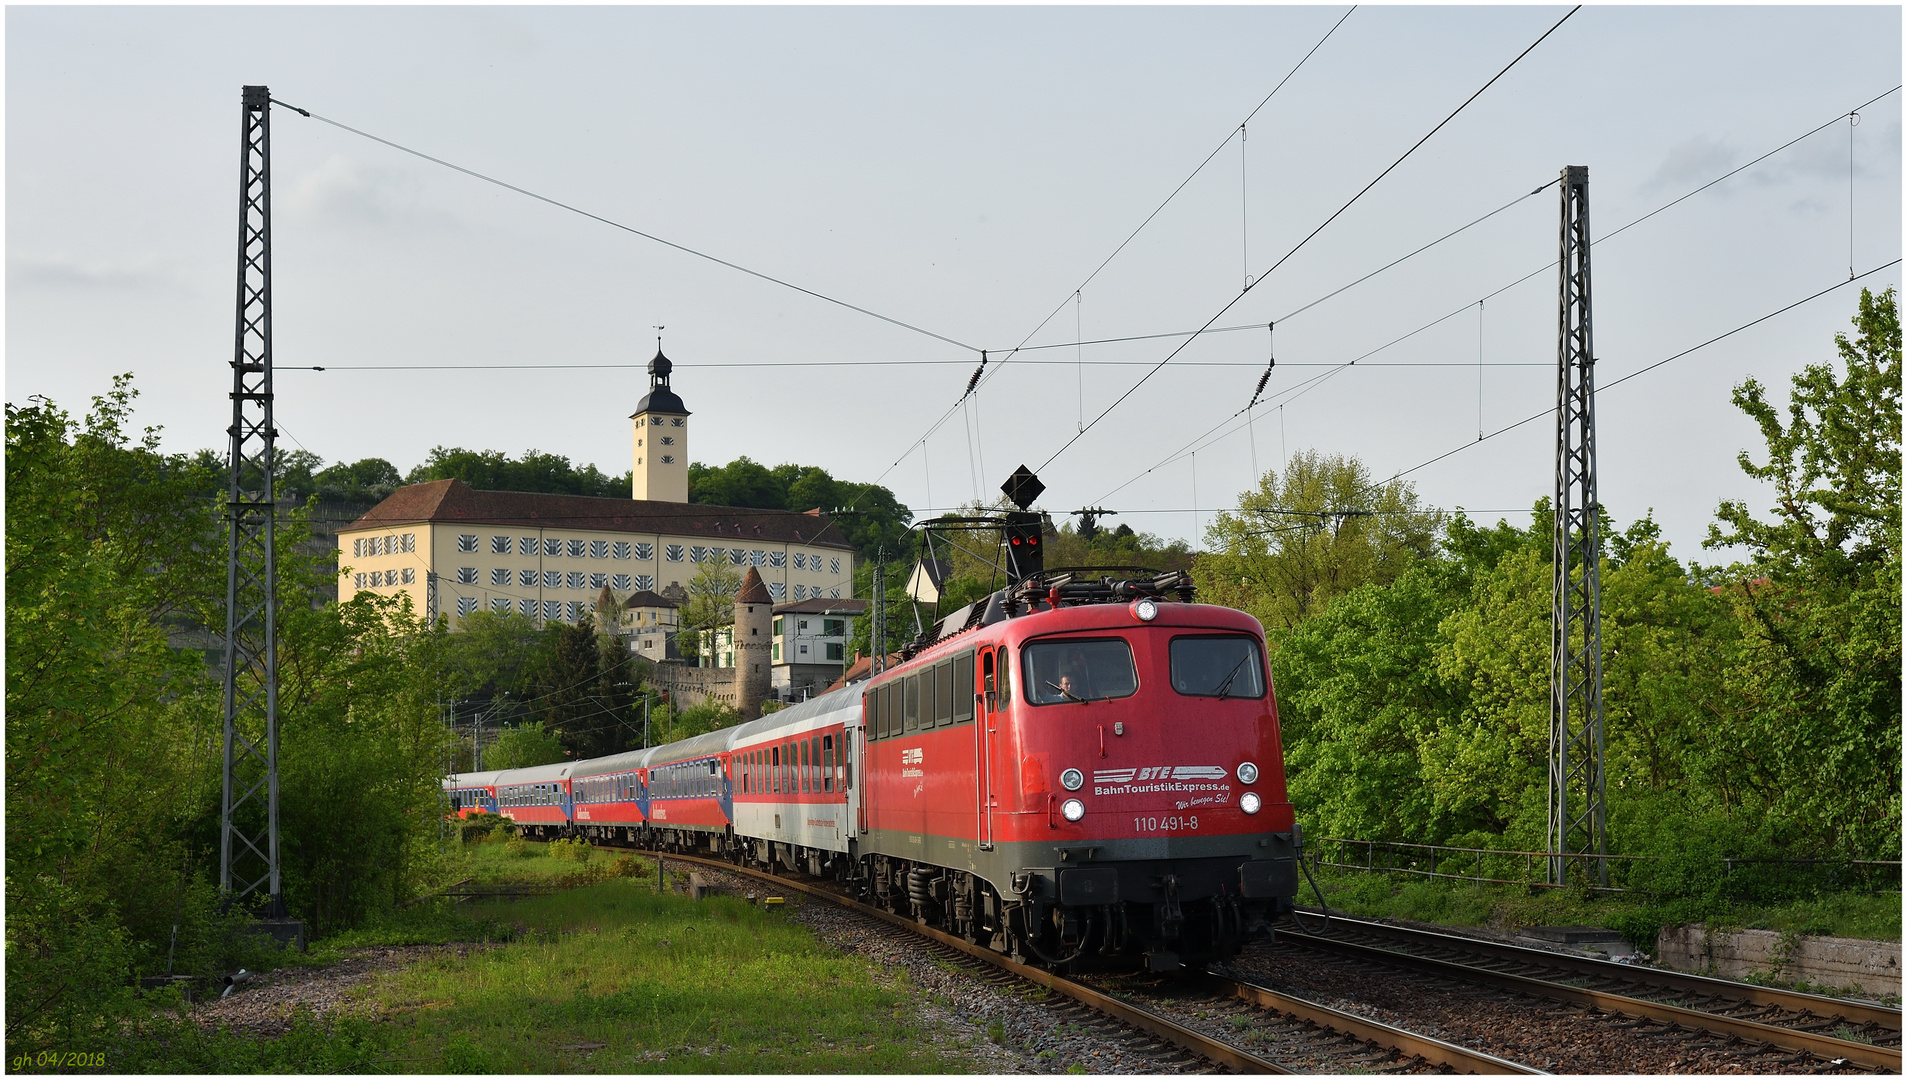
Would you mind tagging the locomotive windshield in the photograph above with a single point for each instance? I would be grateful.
(1217, 667)
(1093, 669)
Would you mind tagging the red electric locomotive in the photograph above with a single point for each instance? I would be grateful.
(1083, 773)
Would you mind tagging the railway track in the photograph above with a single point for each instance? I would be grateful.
(1829, 1030)
(1307, 1036)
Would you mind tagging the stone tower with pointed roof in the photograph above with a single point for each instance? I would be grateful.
(753, 668)
(661, 439)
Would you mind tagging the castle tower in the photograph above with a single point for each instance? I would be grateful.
(661, 439)
(752, 621)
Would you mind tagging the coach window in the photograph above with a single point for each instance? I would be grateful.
(807, 775)
(910, 706)
(944, 693)
(827, 763)
(774, 770)
(814, 761)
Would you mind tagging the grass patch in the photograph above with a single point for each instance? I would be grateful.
(1638, 918)
(614, 978)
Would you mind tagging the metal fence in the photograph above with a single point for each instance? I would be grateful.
(1492, 866)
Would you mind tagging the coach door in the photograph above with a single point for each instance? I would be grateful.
(987, 706)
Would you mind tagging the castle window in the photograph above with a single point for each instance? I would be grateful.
(466, 575)
(500, 575)
(645, 582)
(759, 558)
(526, 607)
(656, 420)
(778, 590)
(599, 549)
(619, 550)
(526, 545)
(552, 546)
(576, 580)
(620, 582)
(676, 421)
(834, 566)
(499, 545)
(801, 561)
(409, 575)
(390, 545)
(668, 440)
(500, 605)
(698, 553)
(738, 556)
(552, 579)
(597, 581)
(466, 605)
(801, 593)
(575, 611)
(526, 578)
(645, 552)
(777, 559)
(407, 542)
(577, 548)
(552, 609)
(668, 459)
(377, 579)
(673, 552)
(467, 542)
(835, 593)
(359, 580)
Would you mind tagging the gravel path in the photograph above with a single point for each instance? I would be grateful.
(960, 1007)
(266, 1005)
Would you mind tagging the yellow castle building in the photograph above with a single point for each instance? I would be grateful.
(456, 550)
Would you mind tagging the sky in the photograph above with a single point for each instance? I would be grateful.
(969, 172)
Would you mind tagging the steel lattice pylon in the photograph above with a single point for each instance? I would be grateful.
(1576, 817)
(248, 835)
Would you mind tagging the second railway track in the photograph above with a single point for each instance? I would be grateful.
(1292, 1034)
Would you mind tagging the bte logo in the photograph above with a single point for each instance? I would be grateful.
(911, 756)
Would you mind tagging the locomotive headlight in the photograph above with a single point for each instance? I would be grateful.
(1072, 809)
(1249, 802)
(1147, 609)
(1070, 780)
(1248, 773)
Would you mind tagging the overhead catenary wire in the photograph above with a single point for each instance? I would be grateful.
(612, 223)
(1297, 390)
(1644, 370)
(1061, 306)
(1299, 246)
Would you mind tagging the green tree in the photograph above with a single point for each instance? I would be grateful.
(522, 746)
(492, 470)
(711, 605)
(1818, 731)
(866, 515)
(1303, 539)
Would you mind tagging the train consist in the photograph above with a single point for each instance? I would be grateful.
(1078, 773)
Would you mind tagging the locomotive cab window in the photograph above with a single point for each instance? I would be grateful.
(1218, 667)
(1078, 671)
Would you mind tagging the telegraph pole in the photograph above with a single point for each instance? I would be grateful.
(1576, 813)
(248, 846)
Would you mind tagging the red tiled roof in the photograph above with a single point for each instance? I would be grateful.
(753, 591)
(859, 670)
(453, 501)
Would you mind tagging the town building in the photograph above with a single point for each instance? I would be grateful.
(455, 550)
(809, 644)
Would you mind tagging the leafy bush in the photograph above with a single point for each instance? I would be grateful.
(577, 850)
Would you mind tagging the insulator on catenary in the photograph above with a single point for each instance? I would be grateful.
(977, 372)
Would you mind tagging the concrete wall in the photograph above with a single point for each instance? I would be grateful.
(1871, 967)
